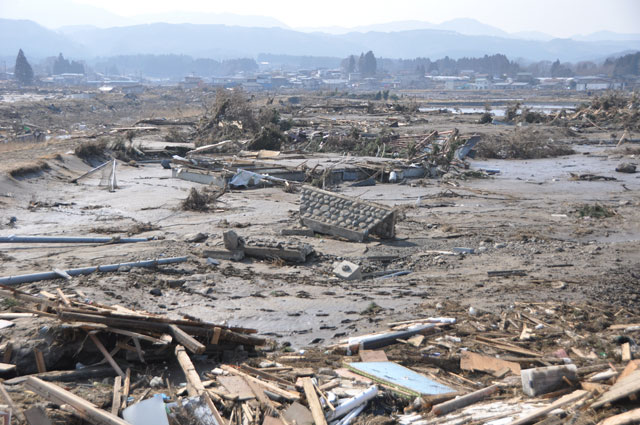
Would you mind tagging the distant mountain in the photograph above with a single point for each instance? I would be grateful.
(229, 19)
(532, 35)
(471, 27)
(462, 26)
(35, 40)
(607, 36)
(224, 42)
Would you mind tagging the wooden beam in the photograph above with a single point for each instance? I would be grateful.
(106, 354)
(187, 340)
(463, 401)
(313, 402)
(81, 407)
(63, 297)
(115, 401)
(194, 383)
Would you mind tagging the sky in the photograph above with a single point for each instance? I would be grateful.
(559, 18)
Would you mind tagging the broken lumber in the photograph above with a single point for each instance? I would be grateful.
(472, 361)
(463, 401)
(630, 417)
(106, 354)
(194, 383)
(81, 407)
(622, 389)
(562, 401)
(189, 342)
(313, 401)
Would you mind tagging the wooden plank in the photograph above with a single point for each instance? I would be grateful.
(472, 361)
(264, 375)
(236, 385)
(507, 347)
(194, 383)
(81, 407)
(63, 297)
(626, 352)
(8, 367)
(126, 388)
(562, 401)
(40, 363)
(136, 335)
(289, 395)
(115, 401)
(139, 351)
(189, 342)
(623, 327)
(314, 403)
(106, 354)
(12, 316)
(624, 388)
(463, 401)
(630, 417)
(373, 356)
(631, 366)
(216, 335)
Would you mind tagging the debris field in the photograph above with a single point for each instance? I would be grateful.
(329, 261)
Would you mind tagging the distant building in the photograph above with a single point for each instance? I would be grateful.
(597, 83)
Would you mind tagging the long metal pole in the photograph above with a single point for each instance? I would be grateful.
(35, 277)
(65, 239)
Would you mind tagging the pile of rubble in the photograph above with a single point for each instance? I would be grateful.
(530, 363)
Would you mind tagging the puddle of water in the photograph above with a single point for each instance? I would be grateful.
(499, 112)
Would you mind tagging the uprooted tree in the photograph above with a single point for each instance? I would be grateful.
(232, 117)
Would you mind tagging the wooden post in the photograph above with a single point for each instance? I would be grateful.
(314, 403)
(194, 383)
(187, 340)
(106, 354)
(81, 407)
(115, 401)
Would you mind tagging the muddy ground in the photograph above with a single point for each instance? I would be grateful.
(525, 218)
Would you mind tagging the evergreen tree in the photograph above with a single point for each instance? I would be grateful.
(22, 71)
(367, 64)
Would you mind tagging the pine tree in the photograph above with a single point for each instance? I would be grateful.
(22, 71)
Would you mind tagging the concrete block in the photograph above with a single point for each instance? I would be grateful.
(348, 271)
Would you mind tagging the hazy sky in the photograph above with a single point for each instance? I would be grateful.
(560, 18)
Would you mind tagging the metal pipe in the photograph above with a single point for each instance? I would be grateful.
(35, 277)
(64, 239)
